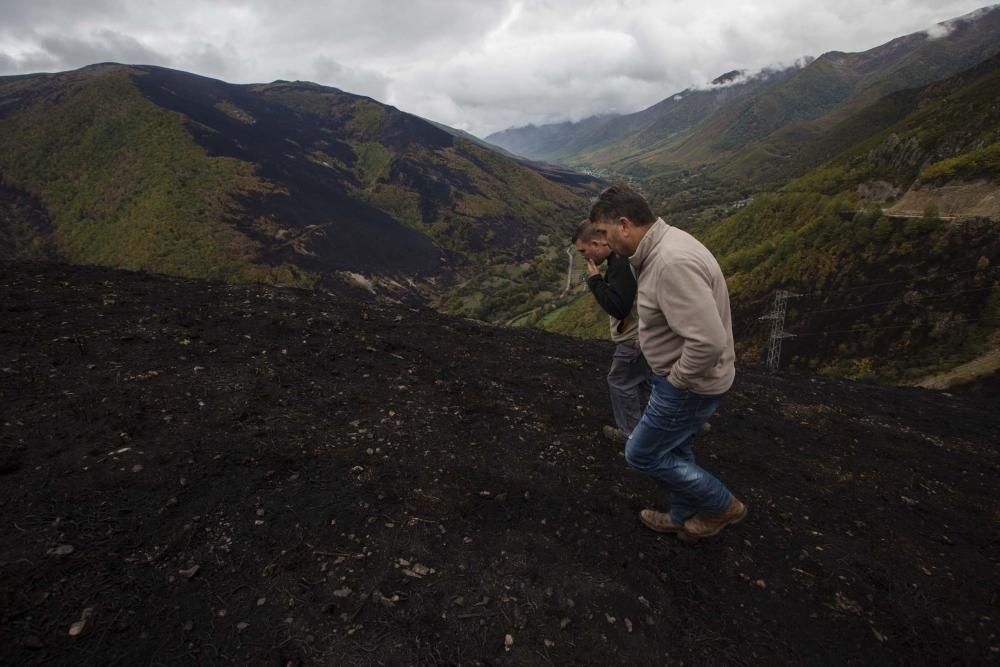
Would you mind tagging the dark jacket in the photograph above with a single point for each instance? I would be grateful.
(615, 292)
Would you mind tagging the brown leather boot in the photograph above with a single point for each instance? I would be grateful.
(662, 523)
(706, 525)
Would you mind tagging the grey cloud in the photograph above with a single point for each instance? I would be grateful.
(378, 31)
(19, 15)
(34, 61)
(945, 28)
(356, 80)
(208, 58)
(101, 46)
(480, 66)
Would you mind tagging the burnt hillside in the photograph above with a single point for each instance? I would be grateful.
(200, 473)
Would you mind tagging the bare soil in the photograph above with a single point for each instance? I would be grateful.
(197, 473)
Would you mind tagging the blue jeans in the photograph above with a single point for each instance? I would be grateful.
(661, 447)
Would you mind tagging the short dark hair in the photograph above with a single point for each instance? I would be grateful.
(621, 201)
(586, 231)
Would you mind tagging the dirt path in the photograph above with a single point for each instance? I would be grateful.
(982, 366)
(208, 474)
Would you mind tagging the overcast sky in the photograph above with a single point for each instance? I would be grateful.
(479, 65)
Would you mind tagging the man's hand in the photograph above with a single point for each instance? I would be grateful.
(592, 269)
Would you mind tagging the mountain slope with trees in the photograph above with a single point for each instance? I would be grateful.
(768, 131)
(289, 182)
(591, 141)
(891, 245)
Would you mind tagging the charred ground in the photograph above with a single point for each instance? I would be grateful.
(253, 475)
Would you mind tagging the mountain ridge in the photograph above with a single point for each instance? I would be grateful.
(909, 193)
(287, 182)
(827, 89)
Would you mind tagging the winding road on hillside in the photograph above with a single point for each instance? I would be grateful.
(558, 301)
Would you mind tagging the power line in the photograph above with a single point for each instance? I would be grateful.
(777, 317)
(898, 282)
(806, 295)
(897, 301)
(898, 326)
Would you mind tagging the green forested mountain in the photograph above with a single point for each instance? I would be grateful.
(289, 182)
(606, 141)
(892, 245)
(757, 135)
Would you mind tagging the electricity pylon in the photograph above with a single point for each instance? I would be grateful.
(778, 333)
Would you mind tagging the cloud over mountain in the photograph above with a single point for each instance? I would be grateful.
(478, 66)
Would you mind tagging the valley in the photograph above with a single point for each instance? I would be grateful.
(880, 183)
(293, 376)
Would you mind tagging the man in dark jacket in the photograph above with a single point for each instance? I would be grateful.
(615, 292)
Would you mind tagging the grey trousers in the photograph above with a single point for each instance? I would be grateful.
(629, 371)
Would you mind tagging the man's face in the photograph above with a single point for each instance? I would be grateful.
(616, 233)
(595, 250)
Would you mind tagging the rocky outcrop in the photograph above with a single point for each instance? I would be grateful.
(959, 201)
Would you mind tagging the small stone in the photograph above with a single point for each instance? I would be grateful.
(261, 602)
(386, 602)
(342, 592)
(137, 467)
(628, 625)
(508, 642)
(242, 625)
(62, 550)
(563, 623)
(422, 570)
(760, 583)
(189, 572)
(77, 628)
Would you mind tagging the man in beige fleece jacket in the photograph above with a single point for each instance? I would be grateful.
(686, 335)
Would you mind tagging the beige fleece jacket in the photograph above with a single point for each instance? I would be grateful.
(685, 327)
